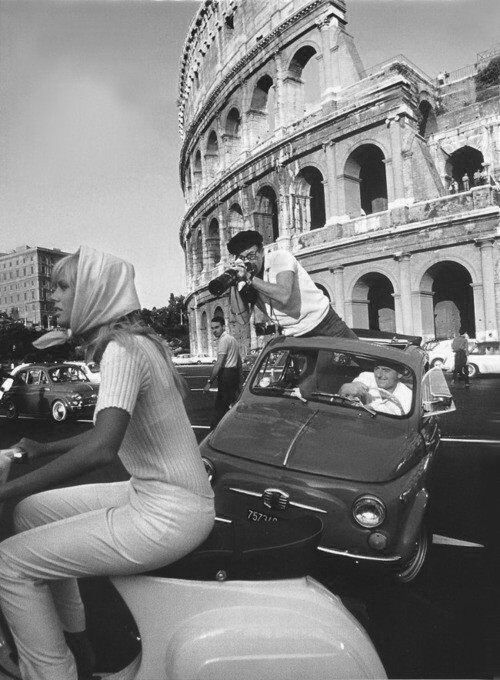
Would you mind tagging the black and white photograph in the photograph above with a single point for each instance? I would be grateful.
(249, 339)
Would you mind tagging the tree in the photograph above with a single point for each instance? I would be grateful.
(170, 322)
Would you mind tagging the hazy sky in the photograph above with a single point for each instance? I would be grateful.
(89, 144)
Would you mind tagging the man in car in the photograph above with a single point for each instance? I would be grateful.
(282, 289)
(380, 390)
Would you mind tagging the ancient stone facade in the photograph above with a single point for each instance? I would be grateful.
(382, 182)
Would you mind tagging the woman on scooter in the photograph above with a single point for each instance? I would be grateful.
(162, 513)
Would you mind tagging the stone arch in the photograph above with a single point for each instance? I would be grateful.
(198, 252)
(465, 166)
(197, 169)
(235, 221)
(261, 115)
(373, 302)
(447, 300)
(232, 132)
(218, 311)
(212, 155)
(302, 81)
(309, 199)
(365, 180)
(204, 333)
(427, 121)
(266, 214)
(213, 243)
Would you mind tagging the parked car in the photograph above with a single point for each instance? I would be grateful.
(183, 359)
(484, 359)
(292, 445)
(440, 353)
(57, 390)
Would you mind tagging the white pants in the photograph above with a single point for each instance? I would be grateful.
(89, 530)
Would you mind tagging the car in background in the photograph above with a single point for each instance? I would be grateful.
(484, 359)
(58, 390)
(91, 370)
(182, 359)
(440, 353)
(292, 445)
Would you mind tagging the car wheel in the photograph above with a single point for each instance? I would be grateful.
(59, 411)
(437, 363)
(11, 411)
(472, 370)
(412, 568)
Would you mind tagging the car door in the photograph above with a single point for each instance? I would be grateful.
(34, 392)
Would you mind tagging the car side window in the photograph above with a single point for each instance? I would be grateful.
(34, 377)
(43, 378)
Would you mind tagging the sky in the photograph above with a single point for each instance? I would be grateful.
(89, 144)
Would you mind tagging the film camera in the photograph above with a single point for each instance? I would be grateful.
(220, 284)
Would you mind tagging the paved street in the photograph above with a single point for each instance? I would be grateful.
(444, 624)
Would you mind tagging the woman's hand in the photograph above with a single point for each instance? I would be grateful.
(33, 448)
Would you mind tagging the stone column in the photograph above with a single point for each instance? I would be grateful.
(477, 291)
(338, 290)
(397, 160)
(330, 81)
(398, 312)
(331, 187)
(488, 276)
(405, 291)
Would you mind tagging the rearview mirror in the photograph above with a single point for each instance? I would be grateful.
(436, 395)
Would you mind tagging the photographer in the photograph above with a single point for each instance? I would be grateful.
(278, 285)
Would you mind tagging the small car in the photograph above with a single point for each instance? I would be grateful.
(484, 359)
(57, 390)
(91, 370)
(440, 353)
(293, 444)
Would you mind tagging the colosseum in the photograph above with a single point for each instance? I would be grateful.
(383, 182)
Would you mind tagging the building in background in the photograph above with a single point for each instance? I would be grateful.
(383, 182)
(25, 284)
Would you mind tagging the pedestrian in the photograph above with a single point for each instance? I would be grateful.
(282, 289)
(163, 512)
(460, 347)
(226, 370)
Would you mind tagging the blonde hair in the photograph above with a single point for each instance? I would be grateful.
(95, 341)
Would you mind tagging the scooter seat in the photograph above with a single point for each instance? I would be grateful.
(244, 551)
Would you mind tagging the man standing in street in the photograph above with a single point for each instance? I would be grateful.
(226, 370)
(280, 287)
(460, 347)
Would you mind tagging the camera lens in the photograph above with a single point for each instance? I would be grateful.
(220, 284)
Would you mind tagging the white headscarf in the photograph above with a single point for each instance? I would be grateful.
(104, 292)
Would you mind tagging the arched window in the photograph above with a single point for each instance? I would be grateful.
(447, 300)
(365, 181)
(235, 220)
(266, 214)
(373, 303)
(213, 243)
(309, 208)
(465, 166)
(199, 253)
(427, 123)
(261, 120)
(233, 132)
(212, 156)
(197, 169)
(302, 82)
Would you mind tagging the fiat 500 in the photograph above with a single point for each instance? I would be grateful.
(343, 429)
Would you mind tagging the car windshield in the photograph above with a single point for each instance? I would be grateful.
(64, 374)
(346, 379)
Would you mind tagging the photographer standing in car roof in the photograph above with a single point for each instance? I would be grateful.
(281, 288)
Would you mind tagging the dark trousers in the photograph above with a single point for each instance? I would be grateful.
(228, 387)
(332, 326)
(460, 367)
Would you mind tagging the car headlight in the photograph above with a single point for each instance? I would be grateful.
(369, 512)
(210, 469)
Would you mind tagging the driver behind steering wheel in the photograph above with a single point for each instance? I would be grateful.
(381, 390)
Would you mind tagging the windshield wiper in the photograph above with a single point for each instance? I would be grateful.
(293, 392)
(347, 401)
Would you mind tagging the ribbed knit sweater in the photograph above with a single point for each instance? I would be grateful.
(159, 444)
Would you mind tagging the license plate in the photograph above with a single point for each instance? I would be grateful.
(256, 516)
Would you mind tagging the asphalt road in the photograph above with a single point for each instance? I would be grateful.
(446, 623)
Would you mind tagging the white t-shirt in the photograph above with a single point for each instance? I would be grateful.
(307, 306)
(228, 346)
(380, 403)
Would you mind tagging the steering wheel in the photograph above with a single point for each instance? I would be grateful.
(390, 397)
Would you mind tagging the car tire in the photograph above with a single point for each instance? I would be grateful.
(413, 566)
(59, 411)
(437, 363)
(472, 370)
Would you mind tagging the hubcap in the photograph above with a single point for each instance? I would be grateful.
(59, 411)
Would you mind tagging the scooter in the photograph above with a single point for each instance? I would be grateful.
(239, 606)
